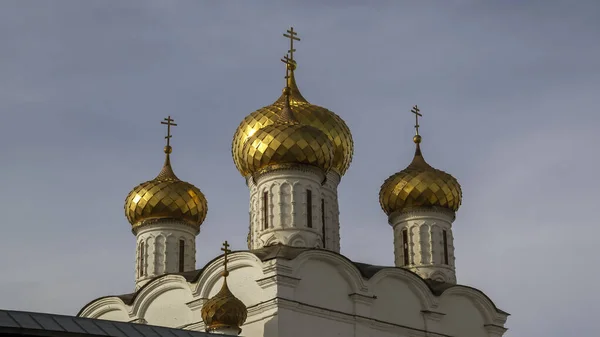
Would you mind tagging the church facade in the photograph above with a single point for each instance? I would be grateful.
(292, 280)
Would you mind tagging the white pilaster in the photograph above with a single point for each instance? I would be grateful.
(332, 211)
(427, 252)
(280, 211)
(158, 249)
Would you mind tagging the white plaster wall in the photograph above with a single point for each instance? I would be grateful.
(118, 314)
(286, 209)
(425, 243)
(161, 249)
(173, 302)
(318, 293)
(461, 317)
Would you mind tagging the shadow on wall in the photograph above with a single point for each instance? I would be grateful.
(271, 327)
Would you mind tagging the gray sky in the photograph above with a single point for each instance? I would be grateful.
(508, 89)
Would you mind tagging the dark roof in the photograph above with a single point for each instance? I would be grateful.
(51, 325)
(280, 251)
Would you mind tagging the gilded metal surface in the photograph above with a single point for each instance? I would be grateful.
(166, 197)
(326, 121)
(224, 310)
(286, 143)
(419, 185)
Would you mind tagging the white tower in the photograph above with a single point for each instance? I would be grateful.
(165, 214)
(296, 196)
(421, 203)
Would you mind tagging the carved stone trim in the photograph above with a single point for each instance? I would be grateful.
(433, 315)
(362, 298)
(278, 279)
(495, 330)
(139, 320)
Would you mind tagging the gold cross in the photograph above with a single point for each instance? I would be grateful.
(416, 110)
(168, 123)
(227, 251)
(291, 34)
(289, 62)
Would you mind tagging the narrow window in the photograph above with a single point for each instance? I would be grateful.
(309, 208)
(445, 236)
(181, 254)
(323, 220)
(141, 260)
(266, 210)
(405, 246)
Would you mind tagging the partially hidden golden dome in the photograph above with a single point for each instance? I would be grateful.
(166, 197)
(224, 311)
(286, 142)
(419, 185)
(308, 114)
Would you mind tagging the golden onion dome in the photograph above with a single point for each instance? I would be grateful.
(286, 142)
(224, 311)
(166, 197)
(306, 113)
(419, 185)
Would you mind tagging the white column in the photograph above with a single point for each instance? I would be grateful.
(423, 243)
(280, 211)
(331, 212)
(160, 246)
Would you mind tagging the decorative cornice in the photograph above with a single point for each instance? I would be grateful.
(422, 213)
(165, 224)
(495, 330)
(278, 279)
(362, 298)
(196, 304)
(139, 320)
(433, 315)
(264, 173)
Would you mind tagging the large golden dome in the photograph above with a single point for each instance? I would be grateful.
(326, 121)
(166, 197)
(286, 142)
(419, 185)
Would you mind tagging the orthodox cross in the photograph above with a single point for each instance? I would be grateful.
(168, 122)
(416, 111)
(289, 62)
(227, 251)
(291, 34)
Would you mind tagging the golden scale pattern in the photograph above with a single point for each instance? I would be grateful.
(166, 197)
(224, 310)
(287, 143)
(419, 185)
(326, 121)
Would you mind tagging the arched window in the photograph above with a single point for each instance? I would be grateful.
(141, 259)
(181, 254)
(405, 246)
(265, 209)
(445, 238)
(323, 220)
(309, 208)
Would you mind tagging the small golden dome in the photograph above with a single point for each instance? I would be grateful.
(224, 310)
(419, 185)
(286, 142)
(308, 114)
(166, 197)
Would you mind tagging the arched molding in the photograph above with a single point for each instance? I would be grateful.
(486, 307)
(414, 282)
(155, 288)
(211, 273)
(348, 270)
(297, 240)
(104, 305)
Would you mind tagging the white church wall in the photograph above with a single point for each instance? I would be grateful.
(172, 301)
(396, 303)
(461, 317)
